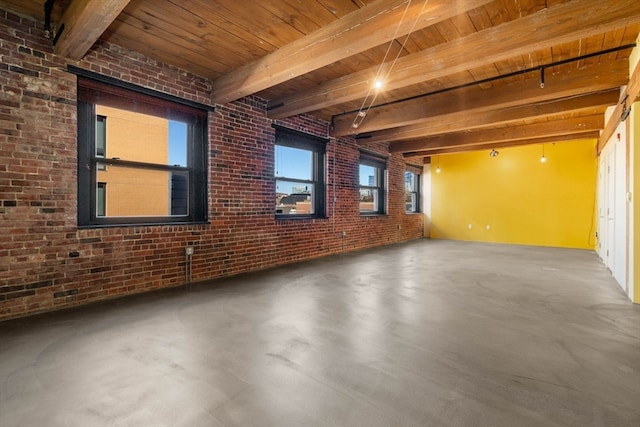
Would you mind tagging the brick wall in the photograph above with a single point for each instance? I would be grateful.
(47, 263)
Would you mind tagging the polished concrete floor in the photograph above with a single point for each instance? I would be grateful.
(425, 333)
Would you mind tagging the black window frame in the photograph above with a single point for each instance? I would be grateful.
(416, 191)
(380, 164)
(92, 86)
(287, 137)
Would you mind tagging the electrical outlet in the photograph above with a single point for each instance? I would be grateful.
(344, 234)
(188, 251)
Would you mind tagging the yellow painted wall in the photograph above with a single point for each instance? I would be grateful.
(522, 200)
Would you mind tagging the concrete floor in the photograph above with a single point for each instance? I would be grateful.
(425, 333)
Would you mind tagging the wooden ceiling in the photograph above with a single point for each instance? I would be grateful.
(458, 75)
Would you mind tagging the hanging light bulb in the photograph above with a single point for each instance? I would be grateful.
(438, 166)
(543, 159)
(493, 153)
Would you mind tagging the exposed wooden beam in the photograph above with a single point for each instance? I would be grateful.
(628, 96)
(495, 145)
(84, 22)
(590, 103)
(432, 110)
(503, 134)
(363, 29)
(559, 24)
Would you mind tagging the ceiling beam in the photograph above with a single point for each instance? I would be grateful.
(84, 22)
(629, 95)
(431, 110)
(363, 29)
(503, 134)
(484, 146)
(559, 24)
(590, 103)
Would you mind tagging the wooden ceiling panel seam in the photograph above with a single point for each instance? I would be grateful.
(247, 17)
(191, 67)
(202, 28)
(130, 36)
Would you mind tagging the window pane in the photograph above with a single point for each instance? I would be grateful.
(144, 192)
(294, 197)
(177, 143)
(368, 176)
(410, 202)
(179, 193)
(293, 163)
(101, 199)
(368, 200)
(142, 137)
(410, 181)
(101, 136)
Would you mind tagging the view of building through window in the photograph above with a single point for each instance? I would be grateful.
(368, 188)
(294, 180)
(412, 191)
(140, 188)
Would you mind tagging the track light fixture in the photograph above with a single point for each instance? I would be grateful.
(382, 75)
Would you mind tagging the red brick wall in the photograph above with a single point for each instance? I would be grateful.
(47, 263)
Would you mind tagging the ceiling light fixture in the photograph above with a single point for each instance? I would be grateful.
(493, 153)
(379, 80)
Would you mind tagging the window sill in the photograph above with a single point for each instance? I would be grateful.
(286, 217)
(142, 224)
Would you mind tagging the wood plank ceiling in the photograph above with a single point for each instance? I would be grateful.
(458, 75)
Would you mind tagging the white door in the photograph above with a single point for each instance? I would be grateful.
(610, 161)
(601, 247)
(620, 210)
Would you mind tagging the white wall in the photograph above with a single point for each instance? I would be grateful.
(613, 243)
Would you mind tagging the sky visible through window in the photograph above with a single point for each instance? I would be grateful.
(367, 175)
(292, 163)
(177, 143)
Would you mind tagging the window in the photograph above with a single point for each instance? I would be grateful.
(101, 199)
(101, 140)
(299, 174)
(372, 184)
(141, 158)
(412, 191)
